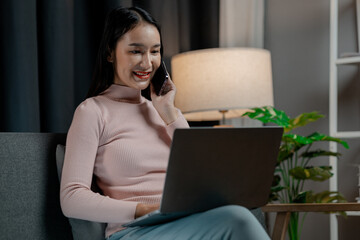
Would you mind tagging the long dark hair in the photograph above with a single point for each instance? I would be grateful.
(118, 22)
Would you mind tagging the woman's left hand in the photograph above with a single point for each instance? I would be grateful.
(164, 103)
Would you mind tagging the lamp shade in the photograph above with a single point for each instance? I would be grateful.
(226, 79)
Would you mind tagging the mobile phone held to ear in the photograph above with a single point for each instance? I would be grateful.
(160, 79)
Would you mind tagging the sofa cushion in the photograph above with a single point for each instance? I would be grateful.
(81, 229)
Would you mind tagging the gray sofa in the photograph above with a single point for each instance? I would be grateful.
(29, 187)
(29, 191)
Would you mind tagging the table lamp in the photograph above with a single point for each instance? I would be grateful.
(222, 82)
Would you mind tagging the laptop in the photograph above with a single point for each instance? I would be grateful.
(213, 167)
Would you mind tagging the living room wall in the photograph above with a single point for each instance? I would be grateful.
(297, 34)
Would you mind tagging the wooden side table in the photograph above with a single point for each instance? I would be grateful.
(284, 211)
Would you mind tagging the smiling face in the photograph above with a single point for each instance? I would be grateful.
(137, 56)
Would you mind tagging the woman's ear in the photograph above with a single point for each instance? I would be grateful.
(110, 57)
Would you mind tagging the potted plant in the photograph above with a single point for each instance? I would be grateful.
(293, 165)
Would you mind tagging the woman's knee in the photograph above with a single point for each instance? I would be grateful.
(235, 213)
(239, 222)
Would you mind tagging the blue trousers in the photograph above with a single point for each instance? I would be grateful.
(228, 222)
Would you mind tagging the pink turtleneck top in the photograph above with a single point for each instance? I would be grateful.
(119, 138)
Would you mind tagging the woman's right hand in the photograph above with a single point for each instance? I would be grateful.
(143, 209)
(164, 104)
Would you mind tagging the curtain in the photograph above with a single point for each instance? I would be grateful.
(18, 65)
(48, 51)
(242, 23)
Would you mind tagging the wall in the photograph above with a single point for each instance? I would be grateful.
(297, 34)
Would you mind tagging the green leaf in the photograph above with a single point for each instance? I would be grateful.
(269, 114)
(301, 197)
(274, 197)
(321, 137)
(298, 139)
(320, 173)
(277, 189)
(319, 153)
(326, 197)
(321, 197)
(304, 119)
(287, 149)
(276, 180)
(315, 137)
(284, 155)
(275, 186)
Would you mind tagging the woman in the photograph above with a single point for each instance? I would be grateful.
(123, 140)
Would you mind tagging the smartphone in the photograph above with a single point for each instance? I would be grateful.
(160, 79)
